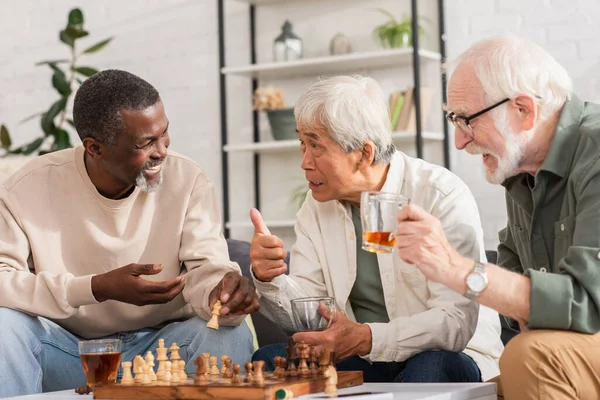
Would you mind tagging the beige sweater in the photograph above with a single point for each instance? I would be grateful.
(57, 231)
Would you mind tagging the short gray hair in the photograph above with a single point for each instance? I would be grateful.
(353, 109)
(507, 65)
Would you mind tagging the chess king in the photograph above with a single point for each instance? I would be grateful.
(117, 237)
(394, 323)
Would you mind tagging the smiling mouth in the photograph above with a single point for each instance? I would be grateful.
(153, 170)
(315, 184)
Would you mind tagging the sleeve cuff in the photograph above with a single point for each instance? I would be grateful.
(379, 346)
(267, 288)
(79, 291)
(549, 308)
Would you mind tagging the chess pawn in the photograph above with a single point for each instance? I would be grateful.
(214, 321)
(167, 376)
(150, 362)
(249, 377)
(303, 353)
(175, 371)
(277, 371)
(182, 374)
(314, 370)
(227, 373)
(236, 374)
(292, 356)
(213, 366)
(127, 376)
(223, 358)
(146, 376)
(259, 375)
(282, 364)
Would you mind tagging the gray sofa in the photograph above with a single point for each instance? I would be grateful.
(268, 332)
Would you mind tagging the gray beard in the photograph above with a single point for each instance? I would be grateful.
(143, 184)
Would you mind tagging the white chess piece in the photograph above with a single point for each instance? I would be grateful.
(127, 376)
(161, 353)
(138, 367)
(146, 379)
(167, 376)
(182, 374)
(150, 362)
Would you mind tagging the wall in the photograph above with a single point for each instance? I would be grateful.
(569, 31)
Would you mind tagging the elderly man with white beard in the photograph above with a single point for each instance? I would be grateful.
(513, 104)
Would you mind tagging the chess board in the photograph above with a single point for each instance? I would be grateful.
(221, 388)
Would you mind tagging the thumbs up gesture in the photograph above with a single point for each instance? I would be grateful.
(266, 250)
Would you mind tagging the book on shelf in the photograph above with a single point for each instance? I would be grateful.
(403, 111)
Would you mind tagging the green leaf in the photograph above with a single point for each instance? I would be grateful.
(59, 81)
(18, 150)
(71, 122)
(27, 119)
(79, 81)
(97, 46)
(5, 137)
(66, 39)
(86, 71)
(76, 33)
(61, 139)
(75, 18)
(48, 117)
(33, 146)
(52, 63)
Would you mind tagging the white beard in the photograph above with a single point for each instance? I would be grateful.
(142, 182)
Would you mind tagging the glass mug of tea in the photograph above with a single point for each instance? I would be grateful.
(378, 215)
(308, 312)
(100, 360)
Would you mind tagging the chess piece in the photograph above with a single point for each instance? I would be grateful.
(228, 373)
(214, 321)
(324, 361)
(182, 374)
(292, 356)
(249, 376)
(150, 362)
(332, 378)
(175, 372)
(223, 358)
(259, 374)
(146, 377)
(167, 376)
(282, 363)
(236, 374)
(314, 370)
(138, 367)
(213, 366)
(276, 371)
(201, 369)
(127, 376)
(161, 357)
(303, 353)
(175, 352)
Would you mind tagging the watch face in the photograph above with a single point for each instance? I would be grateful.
(476, 282)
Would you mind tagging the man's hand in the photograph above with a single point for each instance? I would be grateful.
(421, 241)
(344, 337)
(237, 295)
(266, 251)
(125, 285)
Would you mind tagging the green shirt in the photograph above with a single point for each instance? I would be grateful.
(553, 229)
(366, 297)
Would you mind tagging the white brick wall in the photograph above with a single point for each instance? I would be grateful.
(568, 30)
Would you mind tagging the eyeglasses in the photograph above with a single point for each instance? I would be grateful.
(464, 123)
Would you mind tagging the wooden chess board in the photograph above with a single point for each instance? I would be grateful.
(221, 388)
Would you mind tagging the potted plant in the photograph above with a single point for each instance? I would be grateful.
(281, 118)
(67, 74)
(396, 33)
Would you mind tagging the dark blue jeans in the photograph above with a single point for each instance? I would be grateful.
(428, 366)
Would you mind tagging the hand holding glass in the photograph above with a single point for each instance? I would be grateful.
(100, 360)
(308, 313)
(378, 214)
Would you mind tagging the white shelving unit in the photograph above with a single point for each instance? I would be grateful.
(283, 145)
(271, 224)
(331, 64)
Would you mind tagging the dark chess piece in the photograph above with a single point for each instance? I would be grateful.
(249, 376)
(292, 356)
(314, 357)
(303, 353)
(236, 374)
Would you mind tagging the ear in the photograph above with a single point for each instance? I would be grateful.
(94, 148)
(527, 111)
(367, 155)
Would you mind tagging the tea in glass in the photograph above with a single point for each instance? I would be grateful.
(100, 360)
(378, 213)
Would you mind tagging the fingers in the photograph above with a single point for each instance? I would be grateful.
(412, 212)
(326, 312)
(266, 275)
(311, 338)
(144, 269)
(162, 287)
(236, 298)
(229, 284)
(165, 297)
(271, 242)
(258, 222)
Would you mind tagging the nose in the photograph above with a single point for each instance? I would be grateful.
(461, 138)
(307, 162)
(161, 147)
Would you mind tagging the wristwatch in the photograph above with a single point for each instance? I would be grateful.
(476, 281)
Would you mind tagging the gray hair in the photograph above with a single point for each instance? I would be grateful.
(353, 110)
(99, 100)
(507, 66)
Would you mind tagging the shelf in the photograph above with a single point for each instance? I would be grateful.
(282, 145)
(273, 224)
(260, 2)
(331, 64)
